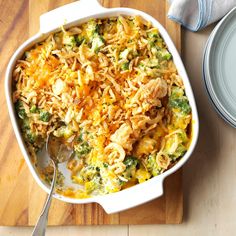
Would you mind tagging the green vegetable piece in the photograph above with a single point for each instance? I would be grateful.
(69, 41)
(165, 55)
(97, 42)
(141, 66)
(175, 145)
(182, 136)
(25, 124)
(82, 149)
(31, 137)
(105, 165)
(152, 34)
(79, 40)
(18, 105)
(63, 131)
(20, 110)
(93, 184)
(177, 92)
(152, 165)
(44, 116)
(22, 114)
(179, 101)
(153, 63)
(92, 28)
(80, 138)
(125, 66)
(182, 104)
(97, 29)
(131, 163)
(180, 151)
(33, 109)
(88, 173)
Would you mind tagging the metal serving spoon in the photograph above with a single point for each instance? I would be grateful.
(58, 152)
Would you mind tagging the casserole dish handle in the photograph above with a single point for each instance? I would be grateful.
(69, 13)
(129, 198)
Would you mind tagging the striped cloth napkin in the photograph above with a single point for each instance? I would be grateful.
(197, 14)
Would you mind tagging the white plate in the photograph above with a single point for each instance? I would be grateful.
(219, 67)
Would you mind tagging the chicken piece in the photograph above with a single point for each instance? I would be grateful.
(154, 89)
(146, 106)
(122, 136)
(148, 96)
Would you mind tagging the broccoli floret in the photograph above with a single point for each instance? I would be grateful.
(125, 66)
(92, 28)
(82, 149)
(97, 29)
(93, 184)
(177, 92)
(97, 42)
(179, 105)
(80, 137)
(79, 40)
(90, 176)
(34, 109)
(30, 136)
(93, 32)
(87, 173)
(44, 116)
(22, 114)
(20, 110)
(25, 126)
(141, 66)
(154, 50)
(130, 161)
(63, 131)
(153, 63)
(182, 104)
(175, 145)
(150, 63)
(69, 41)
(180, 151)
(105, 165)
(152, 165)
(165, 55)
(179, 101)
(131, 164)
(153, 34)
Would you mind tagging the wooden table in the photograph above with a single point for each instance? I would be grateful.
(21, 198)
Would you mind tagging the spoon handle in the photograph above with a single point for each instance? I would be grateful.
(40, 227)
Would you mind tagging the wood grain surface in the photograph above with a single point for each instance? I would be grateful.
(21, 199)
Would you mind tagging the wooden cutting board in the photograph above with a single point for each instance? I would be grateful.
(21, 199)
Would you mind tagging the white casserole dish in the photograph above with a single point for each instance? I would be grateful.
(75, 14)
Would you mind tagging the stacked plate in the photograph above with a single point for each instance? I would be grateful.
(219, 67)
